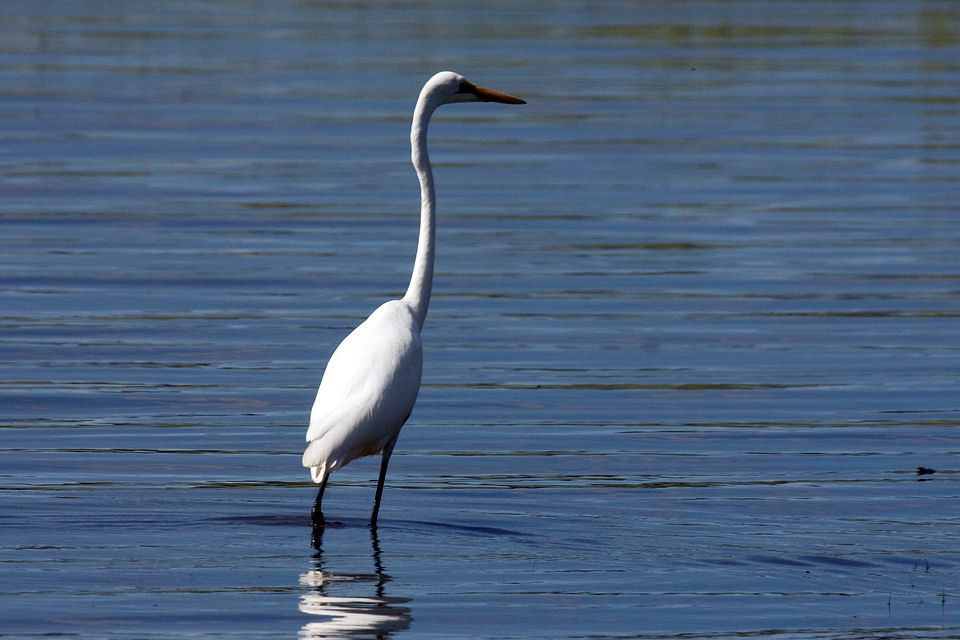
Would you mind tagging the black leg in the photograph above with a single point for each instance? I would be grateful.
(316, 541)
(316, 514)
(384, 461)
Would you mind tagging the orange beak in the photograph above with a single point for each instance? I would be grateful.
(489, 95)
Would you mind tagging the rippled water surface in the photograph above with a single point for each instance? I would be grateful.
(694, 326)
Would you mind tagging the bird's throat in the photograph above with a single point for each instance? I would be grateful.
(421, 281)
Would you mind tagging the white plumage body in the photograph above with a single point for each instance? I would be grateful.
(371, 381)
(367, 391)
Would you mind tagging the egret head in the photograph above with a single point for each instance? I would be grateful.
(447, 87)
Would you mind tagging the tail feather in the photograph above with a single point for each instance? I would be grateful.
(314, 457)
(317, 473)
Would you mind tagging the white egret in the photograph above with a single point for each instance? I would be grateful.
(372, 379)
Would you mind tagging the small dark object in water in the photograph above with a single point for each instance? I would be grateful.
(924, 471)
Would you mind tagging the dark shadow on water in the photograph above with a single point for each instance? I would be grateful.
(467, 529)
(836, 561)
(353, 604)
(285, 520)
(297, 520)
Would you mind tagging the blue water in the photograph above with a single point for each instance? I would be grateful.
(694, 326)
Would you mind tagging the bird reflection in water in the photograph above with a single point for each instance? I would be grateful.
(348, 615)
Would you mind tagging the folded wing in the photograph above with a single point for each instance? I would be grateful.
(368, 390)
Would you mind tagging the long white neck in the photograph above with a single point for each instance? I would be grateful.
(418, 293)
